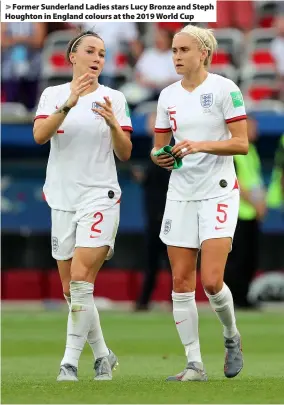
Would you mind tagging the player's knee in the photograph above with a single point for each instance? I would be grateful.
(80, 273)
(212, 284)
(183, 283)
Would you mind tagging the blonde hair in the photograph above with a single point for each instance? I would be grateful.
(205, 38)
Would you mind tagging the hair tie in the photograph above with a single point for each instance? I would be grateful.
(78, 39)
(196, 36)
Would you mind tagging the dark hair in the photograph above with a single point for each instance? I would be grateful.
(75, 42)
(168, 33)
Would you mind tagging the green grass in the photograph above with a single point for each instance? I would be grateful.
(149, 350)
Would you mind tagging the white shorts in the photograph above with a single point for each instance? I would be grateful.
(189, 223)
(77, 229)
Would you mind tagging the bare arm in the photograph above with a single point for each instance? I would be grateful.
(237, 145)
(122, 144)
(39, 35)
(139, 78)
(162, 139)
(45, 129)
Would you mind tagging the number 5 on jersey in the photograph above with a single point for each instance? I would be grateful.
(172, 118)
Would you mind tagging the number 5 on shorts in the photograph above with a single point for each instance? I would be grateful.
(221, 209)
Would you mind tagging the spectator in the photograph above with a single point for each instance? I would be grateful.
(243, 260)
(277, 50)
(21, 55)
(154, 69)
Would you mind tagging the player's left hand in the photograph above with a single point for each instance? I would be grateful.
(186, 147)
(106, 112)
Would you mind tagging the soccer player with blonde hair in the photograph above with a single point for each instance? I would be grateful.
(205, 114)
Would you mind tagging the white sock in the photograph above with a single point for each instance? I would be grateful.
(186, 319)
(95, 336)
(80, 317)
(222, 303)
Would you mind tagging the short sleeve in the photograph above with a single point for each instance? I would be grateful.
(233, 105)
(121, 112)
(46, 105)
(162, 124)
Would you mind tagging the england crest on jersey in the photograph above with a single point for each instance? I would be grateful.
(95, 105)
(206, 100)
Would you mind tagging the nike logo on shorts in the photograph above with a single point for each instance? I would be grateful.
(217, 228)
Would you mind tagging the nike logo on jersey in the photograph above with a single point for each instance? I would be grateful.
(217, 228)
(169, 108)
(177, 323)
(93, 237)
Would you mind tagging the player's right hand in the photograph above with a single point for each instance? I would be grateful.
(78, 86)
(165, 161)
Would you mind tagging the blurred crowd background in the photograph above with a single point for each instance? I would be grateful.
(139, 63)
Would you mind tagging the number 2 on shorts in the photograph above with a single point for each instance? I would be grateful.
(221, 209)
(100, 217)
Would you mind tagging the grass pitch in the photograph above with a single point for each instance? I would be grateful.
(149, 350)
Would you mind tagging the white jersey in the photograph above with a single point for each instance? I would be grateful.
(81, 171)
(201, 115)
